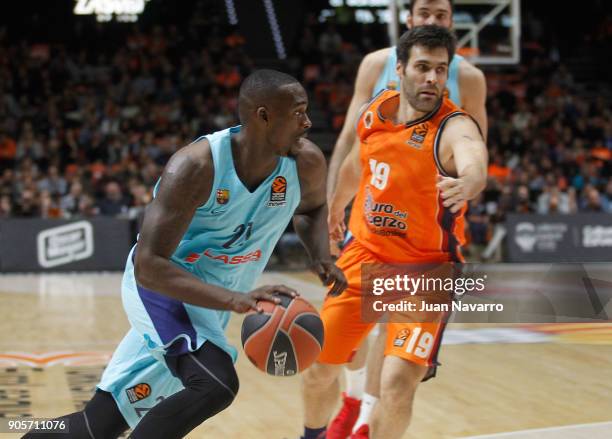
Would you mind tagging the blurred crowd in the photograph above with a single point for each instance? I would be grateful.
(87, 132)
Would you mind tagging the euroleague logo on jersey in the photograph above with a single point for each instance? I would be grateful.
(138, 392)
(278, 192)
(418, 135)
(400, 338)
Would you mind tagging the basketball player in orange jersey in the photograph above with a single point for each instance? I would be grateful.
(466, 87)
(425, 156)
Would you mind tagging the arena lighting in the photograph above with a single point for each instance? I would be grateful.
(277, 37)
(231, 12)
(366, 11)
(123, 10)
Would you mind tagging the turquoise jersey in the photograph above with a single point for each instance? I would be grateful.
(228, 243)
(388, 79)
(232, 236)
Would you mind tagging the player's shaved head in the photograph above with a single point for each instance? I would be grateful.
(262, 88)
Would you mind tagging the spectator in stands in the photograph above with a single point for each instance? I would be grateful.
(70, 202)
(498, 168)
(27, 205)
(522, 118)
(7, 182)
(522, 203)
(8, 151)
(591, 200)
(553, 200)
(330, 41)
(50, 205)
(6, 206)
(28, 146)
(53, 182)
(140, 197)
(87, 207)
(113, 203)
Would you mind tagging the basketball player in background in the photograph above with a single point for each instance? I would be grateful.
(466, 87)
(426, 157)
(220, 206)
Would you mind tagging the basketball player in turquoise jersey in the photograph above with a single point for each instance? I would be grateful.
(220, 207)
(466, 87)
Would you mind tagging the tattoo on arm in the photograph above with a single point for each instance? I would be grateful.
(467, 137)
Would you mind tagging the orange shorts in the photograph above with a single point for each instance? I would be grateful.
(345, 328)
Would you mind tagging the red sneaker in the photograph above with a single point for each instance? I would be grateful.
(362, 432)
(342, 425)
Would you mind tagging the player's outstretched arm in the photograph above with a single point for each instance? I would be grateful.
(310, 218)
(473, 86)
(185, 185)
(469, 153)
(349, 176)
(370, 68)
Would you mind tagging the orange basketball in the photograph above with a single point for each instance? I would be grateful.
(285, 339)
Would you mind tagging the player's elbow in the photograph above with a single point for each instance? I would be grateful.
(144, 269)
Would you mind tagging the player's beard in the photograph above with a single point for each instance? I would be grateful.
(413, 95)
(419, 103)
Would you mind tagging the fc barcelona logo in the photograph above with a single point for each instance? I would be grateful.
(278, 192)
(223, 196)
(138, 392)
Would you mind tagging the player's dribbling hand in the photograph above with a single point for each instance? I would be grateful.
(242, 303)
(330, 274)
(453, 193)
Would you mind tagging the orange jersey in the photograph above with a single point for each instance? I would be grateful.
(398, 213)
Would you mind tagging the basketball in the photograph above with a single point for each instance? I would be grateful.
(285, 339)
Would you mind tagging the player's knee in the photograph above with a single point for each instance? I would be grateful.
(221, 387)
(320, 376)
(223, 394)
(400, 385)
(232, 382)
(399, 396)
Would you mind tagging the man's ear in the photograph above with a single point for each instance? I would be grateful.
(262, 113)
(399, 69)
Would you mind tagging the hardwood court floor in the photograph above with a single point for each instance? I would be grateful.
(57, 332)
